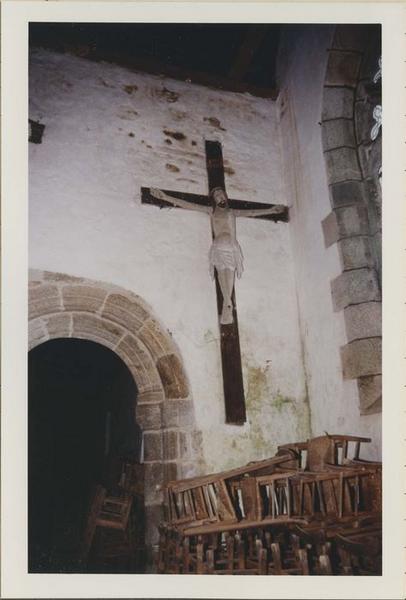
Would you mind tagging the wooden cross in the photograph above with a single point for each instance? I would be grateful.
(229, 338)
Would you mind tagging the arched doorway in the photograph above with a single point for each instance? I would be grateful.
(62, 306)
(81, 409)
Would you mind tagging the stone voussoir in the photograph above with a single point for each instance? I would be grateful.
(352, 220)
(152, 374)
(346, 193)
(343, 68)
(342, 165)
(125, 311)
(151, 397)
(156, 339)
(43, 300)
(136, 359)
(37, 333)
(338, 103)
(361, 358)
(354, 287)
(337, 133)
(93, 327)
(370, 394)
(363, 320)
(84, 298)
(172, 376)
(58, 325)
(355, 252)
(148, 416)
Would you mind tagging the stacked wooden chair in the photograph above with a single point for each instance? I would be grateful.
(314, 508)
(114, 532)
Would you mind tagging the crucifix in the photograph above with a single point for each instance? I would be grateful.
(226, 261)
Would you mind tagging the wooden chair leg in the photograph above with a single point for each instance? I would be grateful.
(276, 559)
(345, 562)
(230, 552)
(210, 560)
(304, 562)
(325, 565)
(263, 562)
(186, 555)
(199, 556)
(240, 552)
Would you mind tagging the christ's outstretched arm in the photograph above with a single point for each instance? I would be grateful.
(258, 212)
(160, 195)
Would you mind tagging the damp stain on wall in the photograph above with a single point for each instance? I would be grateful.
(130, 89)
(176, 135)
(168, 95)
(172, 168)
(214, 122)
(178, 115)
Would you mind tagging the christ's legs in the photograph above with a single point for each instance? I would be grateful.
(226, 281)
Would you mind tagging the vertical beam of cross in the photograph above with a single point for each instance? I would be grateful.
(229, 338)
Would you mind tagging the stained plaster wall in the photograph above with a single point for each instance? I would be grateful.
(334, 403)
(104, 139)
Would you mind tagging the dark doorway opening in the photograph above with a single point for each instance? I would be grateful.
(81, 426)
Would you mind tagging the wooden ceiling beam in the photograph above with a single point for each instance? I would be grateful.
(246, 52)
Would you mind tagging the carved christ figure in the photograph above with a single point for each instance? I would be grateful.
(225, 253)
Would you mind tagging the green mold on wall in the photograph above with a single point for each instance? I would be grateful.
(257, 387)
(257, 393)
(280, 401)
(258, 396)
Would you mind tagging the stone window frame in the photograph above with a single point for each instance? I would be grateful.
(61, 306)
(350, 225)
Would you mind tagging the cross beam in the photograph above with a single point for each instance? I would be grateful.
(147, 198)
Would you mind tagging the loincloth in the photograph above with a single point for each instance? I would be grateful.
(226, 255)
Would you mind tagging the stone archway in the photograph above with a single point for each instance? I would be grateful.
(61, 306)
(354, 224)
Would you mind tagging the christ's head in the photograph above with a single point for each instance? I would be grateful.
(219, 197)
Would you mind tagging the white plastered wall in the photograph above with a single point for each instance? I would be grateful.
(333, 401)
(104, 139)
